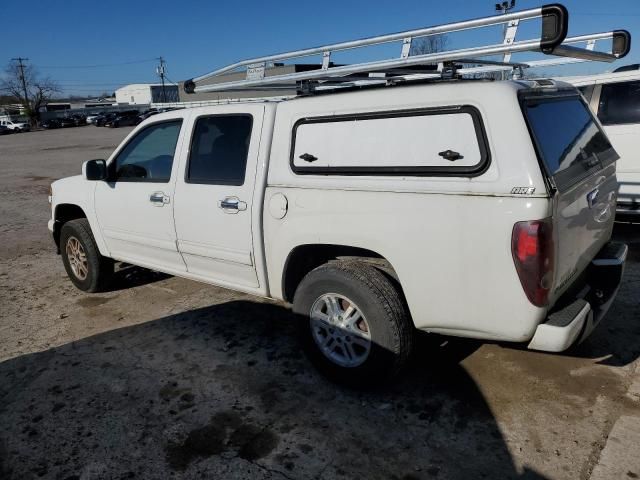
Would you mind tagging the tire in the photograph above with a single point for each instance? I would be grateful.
(384, 319)
(77, 243)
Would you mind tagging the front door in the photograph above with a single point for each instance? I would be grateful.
(135, 206)
(214, 198)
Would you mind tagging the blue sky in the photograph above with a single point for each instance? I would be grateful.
(123, 37)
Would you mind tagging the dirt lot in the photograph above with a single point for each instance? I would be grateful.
(167, 378)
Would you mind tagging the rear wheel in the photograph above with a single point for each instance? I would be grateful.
(353, 323)
(86, 268)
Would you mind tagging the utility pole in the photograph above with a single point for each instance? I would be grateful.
(160, 71)
(24, 82)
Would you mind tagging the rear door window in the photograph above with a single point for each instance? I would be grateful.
(568, 139)
(219, 150)
(620, 103)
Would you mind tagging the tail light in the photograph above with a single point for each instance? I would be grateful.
(533, 254)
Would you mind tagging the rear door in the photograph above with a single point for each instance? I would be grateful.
(214, 198)
(580, 165)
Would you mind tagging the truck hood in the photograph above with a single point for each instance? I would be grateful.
(74, 190)
(68, 182)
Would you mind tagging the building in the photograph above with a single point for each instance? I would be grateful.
(146, 93)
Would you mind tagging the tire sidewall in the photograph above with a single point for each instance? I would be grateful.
(385, 347)
(71, 229)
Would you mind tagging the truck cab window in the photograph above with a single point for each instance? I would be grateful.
(219, 150)
(620, 103)
(148, 157)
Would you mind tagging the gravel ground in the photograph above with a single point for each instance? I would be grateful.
(166, 378)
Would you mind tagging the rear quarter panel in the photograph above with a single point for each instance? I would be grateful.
(448, 238)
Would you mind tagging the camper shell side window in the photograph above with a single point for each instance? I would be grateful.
(445, 141)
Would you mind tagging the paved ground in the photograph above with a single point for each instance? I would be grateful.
(167, 378)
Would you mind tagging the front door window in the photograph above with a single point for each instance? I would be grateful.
(148, 157)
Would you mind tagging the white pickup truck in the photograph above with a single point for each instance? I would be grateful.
(468, 208)
(15, 126)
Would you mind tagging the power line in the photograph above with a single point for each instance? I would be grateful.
(134, 62)
(171, 81)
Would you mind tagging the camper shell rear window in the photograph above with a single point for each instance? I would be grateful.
(569, 141)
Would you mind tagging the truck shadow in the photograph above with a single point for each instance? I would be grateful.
(224, 391)
(615, 340)
(129, 276)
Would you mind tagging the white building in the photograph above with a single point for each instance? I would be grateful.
(146, 93)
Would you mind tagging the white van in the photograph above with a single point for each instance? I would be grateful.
(615, 98)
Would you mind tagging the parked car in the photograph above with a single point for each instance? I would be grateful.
(79, 119)
(4, 130)
(102, 119)
(124, 119)
(469, 208)
(67, 122)
(51, 124)
(15, 126)
(615, 98)
(93, 116)
(150, 113)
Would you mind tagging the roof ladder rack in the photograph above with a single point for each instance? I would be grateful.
(554, 26)
(567, 54)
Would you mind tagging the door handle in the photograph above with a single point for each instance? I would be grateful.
(232, 205)
(158, 199)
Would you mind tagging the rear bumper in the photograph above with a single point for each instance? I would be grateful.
(574, 318)
(628, 193)
(628, 208)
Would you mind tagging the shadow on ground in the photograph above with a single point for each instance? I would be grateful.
(615, 340)
(130, 276)
(224, 391)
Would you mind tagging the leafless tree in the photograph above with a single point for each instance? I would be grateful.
(39, 89)
(430, 44)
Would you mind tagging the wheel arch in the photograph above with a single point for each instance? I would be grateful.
(304, 258)
(63, 213)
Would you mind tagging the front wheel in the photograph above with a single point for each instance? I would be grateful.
(86, 268)
(353, 322)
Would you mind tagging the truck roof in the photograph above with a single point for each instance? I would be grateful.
(608, 77)
(432, 88)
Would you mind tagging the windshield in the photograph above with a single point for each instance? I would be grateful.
(569, 140)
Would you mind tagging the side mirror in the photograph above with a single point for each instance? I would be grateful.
(94, 170)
